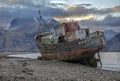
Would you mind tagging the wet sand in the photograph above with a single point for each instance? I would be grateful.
(19, 69)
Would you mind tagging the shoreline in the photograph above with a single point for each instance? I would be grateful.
(23, 69)
(15, 53)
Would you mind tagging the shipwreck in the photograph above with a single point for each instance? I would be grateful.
(69, 42)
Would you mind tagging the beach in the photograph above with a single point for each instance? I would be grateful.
(23, 69)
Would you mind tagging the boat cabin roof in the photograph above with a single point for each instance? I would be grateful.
(46, 34)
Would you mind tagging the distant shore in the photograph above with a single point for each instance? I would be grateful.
(19, 69)
(18, 52)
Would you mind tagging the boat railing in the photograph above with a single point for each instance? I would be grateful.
(97, 35)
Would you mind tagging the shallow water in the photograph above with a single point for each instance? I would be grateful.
(27, 55)
(110, 60)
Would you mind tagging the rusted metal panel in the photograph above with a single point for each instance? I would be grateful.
(71, 55)
(59, 30)
(70, 36)
(80, 34)
(72, 26)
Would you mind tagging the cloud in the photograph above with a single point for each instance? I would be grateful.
(7, 14)
(54, 12)
(80, 10)
(40, 2)
(7, 1)
(116, 9)
(11, 9)
(86, 4)
(58, 5)
(109, 20)
(16, 3)
(63, 19)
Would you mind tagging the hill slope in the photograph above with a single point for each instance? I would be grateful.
(109, 34)
(113, 44)
(20, 35)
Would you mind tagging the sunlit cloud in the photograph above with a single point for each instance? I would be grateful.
(81, 10)
(109, 20)
(116, 9)
(67, 19)
(70, 8)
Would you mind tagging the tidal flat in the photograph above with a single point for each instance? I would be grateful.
(23, 69)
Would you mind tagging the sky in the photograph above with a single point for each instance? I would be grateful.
(98, 14)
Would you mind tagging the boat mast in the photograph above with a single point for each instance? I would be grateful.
(39, 20)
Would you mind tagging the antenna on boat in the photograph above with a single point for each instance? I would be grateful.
(41, 20)
(40, 17)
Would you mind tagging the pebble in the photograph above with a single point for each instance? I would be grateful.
(24, 64)
(0, 76)
(29, 73)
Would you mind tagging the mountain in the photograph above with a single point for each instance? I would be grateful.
(21, 32)
(113, 44)
(2, 41)
(109, 34)
(20, 22)
(2, 28)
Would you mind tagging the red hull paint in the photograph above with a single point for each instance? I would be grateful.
(72, 55)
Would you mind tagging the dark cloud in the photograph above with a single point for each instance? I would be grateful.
(27, 12)
(86, 4)
(9, 3)
(78, 10)
(109, 20)
(7, 14)
(25, 3)
(81, 10)
(53, 12)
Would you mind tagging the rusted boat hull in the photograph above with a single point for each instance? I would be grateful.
(85, 57)
(74, 55)
(74, 51)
